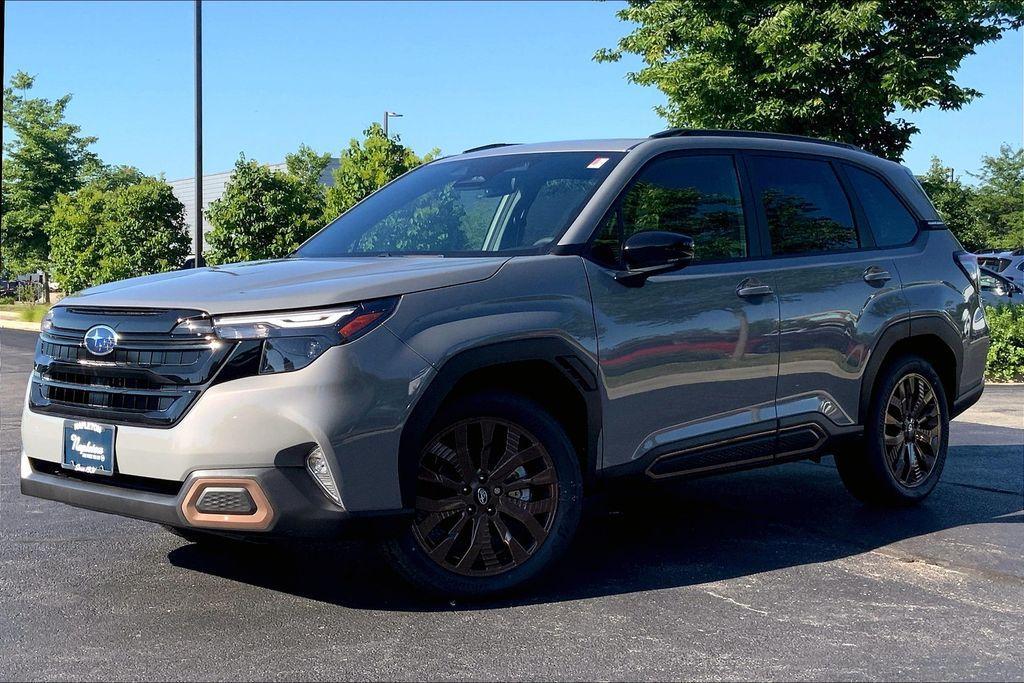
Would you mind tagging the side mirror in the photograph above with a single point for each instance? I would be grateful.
(649, 253)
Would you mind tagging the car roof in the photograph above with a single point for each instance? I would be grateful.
(678, 139)
(506, 148)
(683, 139)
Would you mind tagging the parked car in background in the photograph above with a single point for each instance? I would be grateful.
(8, 288)
(997, 290)
(1008, 264)
(462, 357)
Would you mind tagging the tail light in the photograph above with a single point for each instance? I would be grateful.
(969, 264)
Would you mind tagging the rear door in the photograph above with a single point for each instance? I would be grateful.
(837, 288)
(688, 357)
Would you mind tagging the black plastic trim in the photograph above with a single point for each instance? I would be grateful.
(727, 133)
(300, 509)
(555, 351)
(916, 326)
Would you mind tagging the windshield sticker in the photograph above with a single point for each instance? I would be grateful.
(598, 162)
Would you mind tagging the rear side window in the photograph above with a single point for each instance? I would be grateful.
(697, 196)
(891, 223)
(803, 204)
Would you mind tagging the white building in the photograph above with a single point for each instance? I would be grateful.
(213, 188)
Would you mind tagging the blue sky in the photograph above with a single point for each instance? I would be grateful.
(463, 74)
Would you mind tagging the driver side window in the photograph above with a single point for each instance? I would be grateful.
(697, 196)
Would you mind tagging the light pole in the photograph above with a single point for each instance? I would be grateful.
(199, 133)
(389, 115)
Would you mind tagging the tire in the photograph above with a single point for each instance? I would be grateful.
(466, 543)
(883, 470)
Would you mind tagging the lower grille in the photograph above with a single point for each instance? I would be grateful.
(126, 481)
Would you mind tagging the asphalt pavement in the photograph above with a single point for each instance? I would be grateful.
(776, 573)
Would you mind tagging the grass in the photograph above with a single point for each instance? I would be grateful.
(33, 313)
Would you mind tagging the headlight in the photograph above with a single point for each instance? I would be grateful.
(262, 326)
(291, 340)
(47, 322)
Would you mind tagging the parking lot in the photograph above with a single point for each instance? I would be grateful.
(775, 573)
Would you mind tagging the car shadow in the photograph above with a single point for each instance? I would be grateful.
(649, 538)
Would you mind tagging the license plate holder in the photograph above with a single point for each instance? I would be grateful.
(89, 447)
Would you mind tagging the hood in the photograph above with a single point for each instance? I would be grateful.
(288, 283)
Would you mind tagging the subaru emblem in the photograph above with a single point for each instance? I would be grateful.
(100, 340)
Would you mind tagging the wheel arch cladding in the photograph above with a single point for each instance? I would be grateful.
(549, 371)
(930, 338)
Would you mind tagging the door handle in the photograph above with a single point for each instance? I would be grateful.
(752, 287)
(874, 274)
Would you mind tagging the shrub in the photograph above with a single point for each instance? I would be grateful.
(32, 314)
(28, 293)
(1006, 354)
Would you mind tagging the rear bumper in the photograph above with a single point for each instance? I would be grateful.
(299, 509)
(968, 399)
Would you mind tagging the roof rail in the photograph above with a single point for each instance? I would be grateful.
(727, 133)
(493, 145)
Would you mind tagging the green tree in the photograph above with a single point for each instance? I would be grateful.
(999, 200)
(44, 156)
(838, 70)
(267, 213)
(121, 224)
(955, 202)
(367, 165)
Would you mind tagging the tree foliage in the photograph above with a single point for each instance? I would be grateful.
(367, 165)
(267, 213)
(44, 156)
(989, 215)
(838, 70)
(1000, 198)
(121, 224)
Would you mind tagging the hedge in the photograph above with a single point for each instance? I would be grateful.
(1006, 354)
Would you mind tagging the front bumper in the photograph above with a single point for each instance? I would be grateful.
(351, 403)
(299, 509)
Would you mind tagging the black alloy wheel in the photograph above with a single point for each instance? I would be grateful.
(487, 495)
(496, 491)
(906, 436)
(913, 430)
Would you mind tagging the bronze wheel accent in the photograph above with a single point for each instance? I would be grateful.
(913, 430)
(486, 497)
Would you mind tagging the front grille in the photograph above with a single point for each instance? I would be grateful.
(150, 378)
(141, 358)
(136, 403)
(98, 380)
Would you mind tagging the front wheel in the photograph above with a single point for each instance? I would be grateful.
(906, 437)
(498, 498)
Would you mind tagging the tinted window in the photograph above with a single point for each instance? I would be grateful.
(698, 196)
(471, 206)
(890, 221)
(804, 205)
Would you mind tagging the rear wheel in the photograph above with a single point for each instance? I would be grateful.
(498, 492)
(906, 437)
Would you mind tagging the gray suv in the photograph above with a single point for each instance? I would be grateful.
(454, 364)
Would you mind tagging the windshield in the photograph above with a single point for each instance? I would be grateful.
(510, 203)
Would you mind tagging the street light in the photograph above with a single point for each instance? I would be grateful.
(389, 115)
(199, 263)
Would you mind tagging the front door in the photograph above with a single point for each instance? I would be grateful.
(691, 356)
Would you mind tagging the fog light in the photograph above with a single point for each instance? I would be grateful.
(317, 465)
